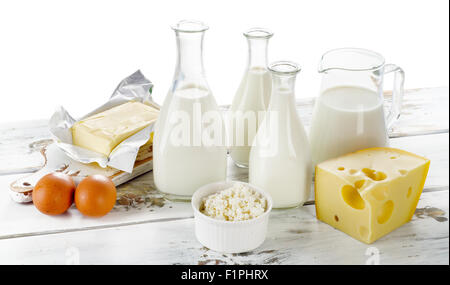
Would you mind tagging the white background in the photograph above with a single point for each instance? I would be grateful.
(74, 53)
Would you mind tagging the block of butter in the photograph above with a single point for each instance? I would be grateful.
(369, 193)
(102, 132)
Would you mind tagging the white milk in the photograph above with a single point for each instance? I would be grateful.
(252, 96)
(280, 160)
(181, 169)
(346, 119)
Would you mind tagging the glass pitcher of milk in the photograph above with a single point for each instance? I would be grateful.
(189, 147)
(280, 159)
(252, 97)
(349, 113)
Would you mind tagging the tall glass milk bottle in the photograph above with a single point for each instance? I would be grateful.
(189, 143)
(280, 160)
(252, 97)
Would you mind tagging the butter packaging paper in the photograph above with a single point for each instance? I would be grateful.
(133, 88)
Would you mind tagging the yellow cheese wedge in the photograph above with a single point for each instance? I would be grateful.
(102, 132)
(369, 193)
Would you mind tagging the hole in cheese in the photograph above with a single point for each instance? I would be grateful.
(409, 192)
(336, 218)
(385, 212)
(374, 175)
(352, 198)
(352, 171)
(403, 172)
(359, 184)
(340, 168)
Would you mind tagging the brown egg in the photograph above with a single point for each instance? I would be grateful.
(95, 196)
(53, 193)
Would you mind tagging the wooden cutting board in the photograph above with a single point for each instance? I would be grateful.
(55, 160)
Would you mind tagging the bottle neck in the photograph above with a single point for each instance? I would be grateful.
(282, 99)
(284, 74)
(283, 83)
(190, 55)
(257, 52)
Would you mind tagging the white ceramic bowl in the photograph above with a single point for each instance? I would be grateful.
(229, 236)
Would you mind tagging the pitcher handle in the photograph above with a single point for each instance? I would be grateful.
(397, 93)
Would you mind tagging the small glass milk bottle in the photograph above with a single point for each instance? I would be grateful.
(252, 97)
(189, 148)
(280, 160)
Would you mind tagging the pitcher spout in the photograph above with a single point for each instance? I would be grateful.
(350, 59)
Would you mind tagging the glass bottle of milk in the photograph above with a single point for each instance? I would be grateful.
(280, 159)
(189, 147)
(252, 97)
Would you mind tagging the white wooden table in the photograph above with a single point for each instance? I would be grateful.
(143, 228)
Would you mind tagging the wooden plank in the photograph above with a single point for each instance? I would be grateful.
(140, 202)
(294, 237)
(425, 112)
(20, 146)
(433, 147)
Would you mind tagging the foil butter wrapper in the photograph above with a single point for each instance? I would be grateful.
(133, 88)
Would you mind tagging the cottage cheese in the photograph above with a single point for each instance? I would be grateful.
(237, 203)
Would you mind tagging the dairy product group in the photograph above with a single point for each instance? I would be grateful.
(362, 187)
(267, 136)
(183, 162)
